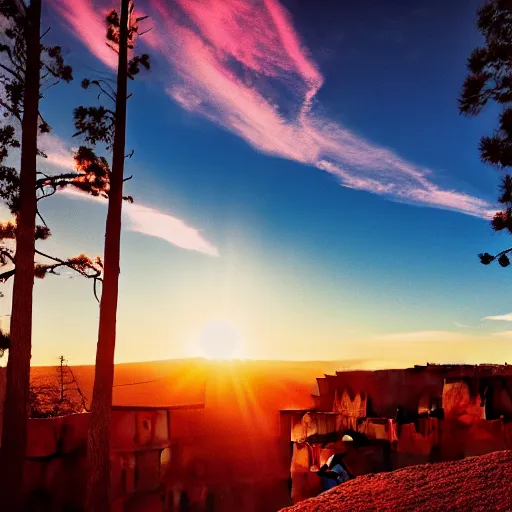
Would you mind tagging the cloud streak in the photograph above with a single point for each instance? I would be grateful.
(242, 65)
(504, 334)
(87, 22)
(57, 152)
(141, 219)
(151, 222)
(504, 318)
(424, 336)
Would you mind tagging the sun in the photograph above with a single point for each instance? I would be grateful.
(219, 339)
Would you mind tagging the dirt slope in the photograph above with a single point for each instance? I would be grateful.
(481, 484)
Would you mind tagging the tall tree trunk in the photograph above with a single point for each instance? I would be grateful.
(15, 413)
(98, 443)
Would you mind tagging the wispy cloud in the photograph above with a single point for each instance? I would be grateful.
(424, 336)
(87, 22)
(504, 334)
(504, 318)
(243, 66)
(141, 219)
(152, 222)
(57, 151)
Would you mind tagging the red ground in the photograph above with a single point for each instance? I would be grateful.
(481, 484)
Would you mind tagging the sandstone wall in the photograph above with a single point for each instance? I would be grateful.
(427, 440)
(56, 458)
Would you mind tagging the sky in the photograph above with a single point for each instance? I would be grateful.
(304, 187)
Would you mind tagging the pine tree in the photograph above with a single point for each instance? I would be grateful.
(490, 80)
(28, 67)
(12, 452)
(58, 396)
(103, 125)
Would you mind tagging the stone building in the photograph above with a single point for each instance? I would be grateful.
(399, 418)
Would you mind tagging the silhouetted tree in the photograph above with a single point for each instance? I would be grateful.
(103, 125)
(27, 69)
(490, 80)
(57, 396)
(27, 57)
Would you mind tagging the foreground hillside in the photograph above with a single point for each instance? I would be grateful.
(477, 483)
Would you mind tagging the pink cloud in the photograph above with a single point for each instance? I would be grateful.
(57, 151)
(260, 37)
(87, 21)
(230, 61)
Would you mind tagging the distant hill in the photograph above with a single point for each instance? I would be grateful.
(282, 384)
(256, 388)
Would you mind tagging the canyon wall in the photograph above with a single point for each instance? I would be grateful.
(400, 418)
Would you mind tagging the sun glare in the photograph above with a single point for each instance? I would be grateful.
(220, 340)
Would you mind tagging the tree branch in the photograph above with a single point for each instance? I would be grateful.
(49, 180)
(97, 84)
(112, 90)
(506, 251)
(11, 110)
(59, 263)
(95, 288)
(41, 217)
(146, 31)
(4, 276)
(45, 32)
(51, 85)
(49, 194)
(13, 73)
(8, 255)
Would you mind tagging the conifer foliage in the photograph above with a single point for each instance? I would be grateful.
(90, 176)
(489, 79)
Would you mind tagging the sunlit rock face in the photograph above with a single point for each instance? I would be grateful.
(400, 418)
(459, 404)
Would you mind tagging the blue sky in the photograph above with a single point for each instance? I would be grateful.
(306, 268)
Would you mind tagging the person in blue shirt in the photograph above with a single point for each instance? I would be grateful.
(333, 473)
